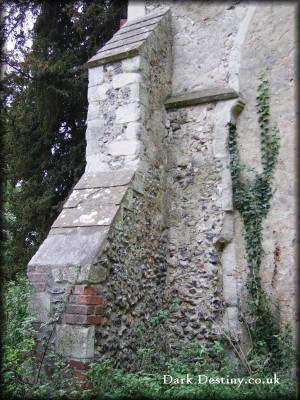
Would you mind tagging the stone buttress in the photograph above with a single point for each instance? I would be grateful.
(103, 261)
(150, 222)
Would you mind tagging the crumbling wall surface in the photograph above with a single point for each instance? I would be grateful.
(201, 263)
(270, 45)
(195, 223)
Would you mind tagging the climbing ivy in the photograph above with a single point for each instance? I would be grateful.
(252, 197)
(252, 200)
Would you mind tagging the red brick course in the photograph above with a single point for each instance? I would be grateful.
(81, 365)
(83, 299)
(98, 310)
(80, 375)
(35, 277)
(82, 289)
(41, 268)
(83, 309)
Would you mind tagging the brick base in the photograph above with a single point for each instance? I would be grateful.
(84, 306)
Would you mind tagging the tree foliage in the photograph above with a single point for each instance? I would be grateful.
(45, 95)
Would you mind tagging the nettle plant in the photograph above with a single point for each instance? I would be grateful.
(252, 200)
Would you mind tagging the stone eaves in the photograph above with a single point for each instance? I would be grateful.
(128, 40)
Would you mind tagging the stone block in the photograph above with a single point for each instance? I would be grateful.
(128, 113)
(133, 130)
(228, 260)
(57, 275)
(79, 196)
(95, 130)
(97, 163)
(104, 57)
(39, 306)
(92, 273)
(227, 231)
(70, 274)
(94, 111)
(139, 93)
(104, 179)
(125, 79)
(98, 92)
(75, 342)
(230, 290)
(82, 244)
(128, 201)
(226, 200)
(78, 319)
(67, 274)
(132, 64)
(86, 215)
(201, 96)
(92, 148)
(96, 76)
(99, 196)
(123, 148)
(230, 321)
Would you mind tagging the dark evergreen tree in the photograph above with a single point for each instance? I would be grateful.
(44, 118)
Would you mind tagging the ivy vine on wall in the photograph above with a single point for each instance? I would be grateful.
(252, 197)
(252, 200)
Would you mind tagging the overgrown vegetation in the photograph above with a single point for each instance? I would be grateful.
(23, 377)
(252, 200)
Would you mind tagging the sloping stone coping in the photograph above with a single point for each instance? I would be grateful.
(128, 40)
(200, 96)
(84, 222)
(95, 199)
